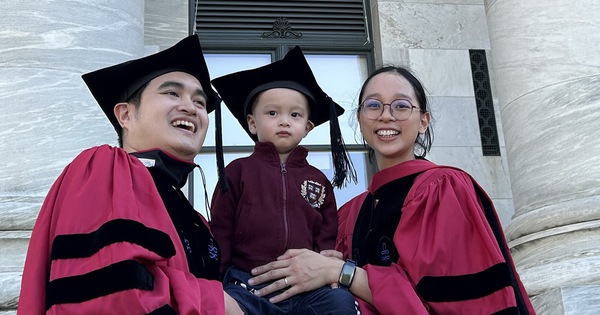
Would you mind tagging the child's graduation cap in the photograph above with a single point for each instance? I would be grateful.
(239, 90)
(118, 83)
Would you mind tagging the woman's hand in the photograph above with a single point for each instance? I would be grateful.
(301, 270)
(332, 253)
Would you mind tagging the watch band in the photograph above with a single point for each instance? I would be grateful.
(347, 274)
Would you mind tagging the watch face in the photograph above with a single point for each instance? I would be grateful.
(347, 274)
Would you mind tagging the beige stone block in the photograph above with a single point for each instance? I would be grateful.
(14, 248)
(554, 136)
(565, 256)
(455, 122)
(52, 116)
(19, 212)
(443, 72)
(165, 22)
(394, 56)
(432, 25)
(489, 172)
(582, 300)
(10, 285)
(558, 43)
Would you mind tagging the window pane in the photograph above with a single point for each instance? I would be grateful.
(222, 64)
(209, 166)
(322, 161)
(341, 77)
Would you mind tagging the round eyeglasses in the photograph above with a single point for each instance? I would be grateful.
(373, 108)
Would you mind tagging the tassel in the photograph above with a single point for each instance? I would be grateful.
(344, 171)
(219, 147)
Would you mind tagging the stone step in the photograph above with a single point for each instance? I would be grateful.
(13, 249)
(10, 285)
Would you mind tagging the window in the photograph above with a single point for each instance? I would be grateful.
(334, 37)
(251, 21)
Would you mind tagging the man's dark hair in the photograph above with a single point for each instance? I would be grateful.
(135, 99)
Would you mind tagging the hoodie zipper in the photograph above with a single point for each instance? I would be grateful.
(285, 214)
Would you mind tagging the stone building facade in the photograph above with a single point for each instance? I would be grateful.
(544, 65)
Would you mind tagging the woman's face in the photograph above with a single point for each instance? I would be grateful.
(392, 140)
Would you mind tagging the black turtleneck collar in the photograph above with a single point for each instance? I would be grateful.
(176, 170)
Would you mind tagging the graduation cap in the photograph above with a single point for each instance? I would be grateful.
(118, 83)
(239, 90)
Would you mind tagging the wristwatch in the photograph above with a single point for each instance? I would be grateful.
(347, 274)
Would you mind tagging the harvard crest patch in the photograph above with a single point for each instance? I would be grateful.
(313, 192)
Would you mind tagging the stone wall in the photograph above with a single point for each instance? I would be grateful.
(547, 64)
(47, 114)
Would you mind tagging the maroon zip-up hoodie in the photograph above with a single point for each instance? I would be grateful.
(271, 207)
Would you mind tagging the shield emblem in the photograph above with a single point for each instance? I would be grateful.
(314, 193)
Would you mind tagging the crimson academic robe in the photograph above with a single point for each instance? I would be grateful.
(449, 261)
(104, 243)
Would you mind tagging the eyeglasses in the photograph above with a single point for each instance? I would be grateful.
(400, 109)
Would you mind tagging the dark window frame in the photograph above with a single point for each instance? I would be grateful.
(331, 41)
(340, 25)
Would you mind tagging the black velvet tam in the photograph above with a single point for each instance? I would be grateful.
(238, 90)
(117, 83)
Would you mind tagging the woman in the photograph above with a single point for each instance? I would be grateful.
(424, 239)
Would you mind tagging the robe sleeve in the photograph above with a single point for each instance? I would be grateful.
(450, 262)
(104, 243)
(448, 249)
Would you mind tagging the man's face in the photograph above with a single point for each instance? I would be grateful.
(172, 117)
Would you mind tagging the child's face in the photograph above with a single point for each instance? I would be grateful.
(280, 116)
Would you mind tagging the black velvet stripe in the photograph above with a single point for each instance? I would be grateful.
(492, 219)
(119, 230)
(163, 310)
(508, 311)
(124, 275)
(464, 287)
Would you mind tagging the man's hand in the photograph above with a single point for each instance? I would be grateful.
(298, 270)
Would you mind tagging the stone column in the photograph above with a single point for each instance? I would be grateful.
(546, 57)
(47, 115)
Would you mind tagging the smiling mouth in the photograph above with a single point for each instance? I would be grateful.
(184, 125)
(387, 133)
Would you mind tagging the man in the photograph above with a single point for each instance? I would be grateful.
(115, 234)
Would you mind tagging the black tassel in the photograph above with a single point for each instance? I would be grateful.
(344, 171)
(219, 146)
